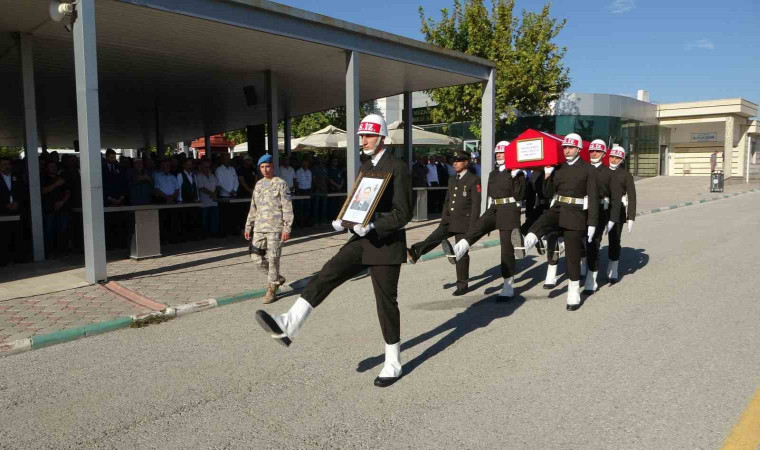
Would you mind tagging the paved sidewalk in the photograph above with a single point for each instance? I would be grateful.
(217, 268)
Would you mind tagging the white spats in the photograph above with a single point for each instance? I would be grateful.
(551, 275)
(392, 366)
(508, 290)
(612, 270)
(583, 267)
(591, 284)
(292, 321)
(530, 241)
(573, 293)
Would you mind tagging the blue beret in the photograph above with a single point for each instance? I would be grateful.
(265, 159)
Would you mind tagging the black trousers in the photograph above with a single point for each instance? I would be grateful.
(592, 248)
(487, 224)
(614, 242)
(12, 244)
(434, 240)
(169, 225)
(346, 264)
(549, 223)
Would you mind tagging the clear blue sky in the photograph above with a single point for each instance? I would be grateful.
(678, 50)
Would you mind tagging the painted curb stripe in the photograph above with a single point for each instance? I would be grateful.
(746, 433)
(104, 327)
(240, 297)
(57, 337)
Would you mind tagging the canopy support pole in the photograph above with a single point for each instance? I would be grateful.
(352, 117)
(272, 117)
(487, 134)
(408, 120)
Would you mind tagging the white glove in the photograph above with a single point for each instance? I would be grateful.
(516, 172)
(529, 241)
(461, 248)
(362, 231)
(548, 170)
(630, 226)
(337, 225)
(609, 226)
(591, 231)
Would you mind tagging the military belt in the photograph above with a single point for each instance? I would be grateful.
(504, 201)
(568, 200)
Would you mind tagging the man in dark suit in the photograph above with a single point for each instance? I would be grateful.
(380, 247)
(506, 189)
(461, 209)
(11, 242)
(574, 209)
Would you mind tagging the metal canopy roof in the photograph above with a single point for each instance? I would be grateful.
(193, 58)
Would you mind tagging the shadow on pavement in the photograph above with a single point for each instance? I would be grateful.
(479, 313)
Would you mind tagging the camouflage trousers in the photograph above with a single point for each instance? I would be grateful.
(269, 263)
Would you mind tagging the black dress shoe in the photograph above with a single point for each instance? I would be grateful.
(613, 280)
(385, 381)
(460, 291)
(270, 327)
(588, 292)
(411, 257)
(573, 307)
(549, 287)
(540, 247)
(448, 250)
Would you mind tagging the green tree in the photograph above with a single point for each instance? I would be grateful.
(530, 73)
(11, 152)
(309, 123)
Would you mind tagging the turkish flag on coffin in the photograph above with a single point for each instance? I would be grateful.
(533, 149)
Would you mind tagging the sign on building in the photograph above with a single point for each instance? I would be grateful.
(704, 137)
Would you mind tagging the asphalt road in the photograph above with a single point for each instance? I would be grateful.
(667, 358)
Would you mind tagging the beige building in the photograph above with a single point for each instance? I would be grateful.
(698, 129)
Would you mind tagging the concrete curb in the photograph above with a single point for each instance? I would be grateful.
(169, 313)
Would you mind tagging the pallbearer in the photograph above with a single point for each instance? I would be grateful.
(506, 189)
(623, 208)
(461, 210)
(597, 150)
(536, 203)
(571, 186)
(380, 247)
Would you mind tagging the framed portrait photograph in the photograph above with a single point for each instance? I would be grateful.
(363, 199)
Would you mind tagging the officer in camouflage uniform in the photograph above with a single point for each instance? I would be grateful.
(270, 220)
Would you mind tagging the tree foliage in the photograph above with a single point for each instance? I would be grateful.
(530, 73)
(309, 123)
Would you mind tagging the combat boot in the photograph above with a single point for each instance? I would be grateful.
(271, 294)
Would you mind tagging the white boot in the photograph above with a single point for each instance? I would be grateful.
(573, 296)
(583, 267)
(612, 272)
(292, 321)
(591, 285)
(392, 367)
(551, 276)
(508, 290)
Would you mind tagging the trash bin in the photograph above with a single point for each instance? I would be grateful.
(716, 181)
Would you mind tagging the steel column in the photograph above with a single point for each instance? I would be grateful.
(88, 114)
(352, 117)
(272, 117)
(408, 120)
(287, 131)
(487, 134)
(32, 158)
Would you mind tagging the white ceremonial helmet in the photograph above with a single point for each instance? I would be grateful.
(597, 144)
(617, 151)
(373, 124)
(572, 140)
(501, 147)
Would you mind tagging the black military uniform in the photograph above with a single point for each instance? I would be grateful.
(536, 204)
(506, 192)
(461, 209)
(603, 180)
(621, 185)
(382, 250)
(571, 183)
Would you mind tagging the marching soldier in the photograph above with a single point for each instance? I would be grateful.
(269, 223)
(597, 150)
(506, 189)
(623, 209)
(461, 210)
(536, 204)
(380, 247)
(570, 212)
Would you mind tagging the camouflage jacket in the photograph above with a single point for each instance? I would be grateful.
(271, 209)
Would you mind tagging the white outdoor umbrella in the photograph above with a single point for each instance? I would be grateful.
(420, 137)
(243, 147)
(327, 137)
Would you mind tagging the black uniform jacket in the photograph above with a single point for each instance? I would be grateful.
(461, 209)
(501, 184)
(621, 184)
(603, 180)
(5, 195)
(535, 198)
(577, 180)
(386, 243)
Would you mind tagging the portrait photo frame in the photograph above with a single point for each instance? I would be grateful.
(363, 199)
